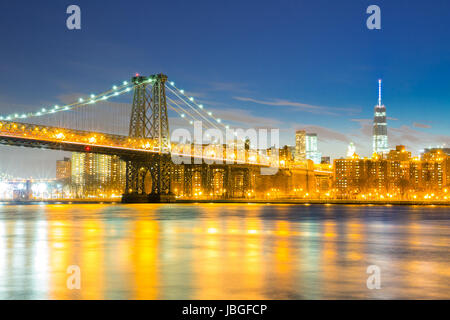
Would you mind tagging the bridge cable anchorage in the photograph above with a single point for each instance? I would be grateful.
(115, 91)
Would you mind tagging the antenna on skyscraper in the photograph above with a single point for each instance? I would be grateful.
(379, 92)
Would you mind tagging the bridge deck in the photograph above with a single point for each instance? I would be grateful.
(48, 137)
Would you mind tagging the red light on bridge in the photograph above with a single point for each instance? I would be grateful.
(87, 148)
(137, 74)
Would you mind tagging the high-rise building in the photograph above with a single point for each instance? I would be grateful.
(397, 176)
(433, 150)
(380, 137)
(96, 175)
(312, 152)
(63, 169)
(300, 146)
(399, 153)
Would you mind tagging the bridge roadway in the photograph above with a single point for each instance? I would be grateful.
(54, 138)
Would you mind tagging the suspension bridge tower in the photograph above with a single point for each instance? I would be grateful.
(148, 178)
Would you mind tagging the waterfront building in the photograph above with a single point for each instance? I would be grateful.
(443, 150)
(97, 176)
(399, 154)
(435, 170)
(396, 176)
(63, 169)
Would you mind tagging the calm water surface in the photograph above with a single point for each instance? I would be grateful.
(217, 251)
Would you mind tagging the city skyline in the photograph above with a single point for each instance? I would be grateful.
(326, 86)
(211, 151)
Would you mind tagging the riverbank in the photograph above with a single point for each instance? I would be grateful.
(246, 201)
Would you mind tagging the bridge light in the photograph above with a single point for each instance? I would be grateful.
(81, 100)
(16, 115)
(8, 118)
(219, 121)
(210, 113)
(104, 98)
(200, 106)
(92, 95)
(192, 99)
(24, 116)
(125, 83)
(172, 83)
(182, 115)
(227, 127)
(127, 89)
(182, 91)
(66, 108)
(114, 87)
(43, 110)
(56, 107)
(116, 93)
(1, 118)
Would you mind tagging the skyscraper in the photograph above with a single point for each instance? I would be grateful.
(312, 152)
(300, 145)
(380, 138)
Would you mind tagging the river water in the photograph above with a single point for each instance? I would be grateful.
(223, 251)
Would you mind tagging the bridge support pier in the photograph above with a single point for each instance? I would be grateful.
(148, 180)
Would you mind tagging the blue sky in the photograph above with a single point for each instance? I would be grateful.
(285, 64)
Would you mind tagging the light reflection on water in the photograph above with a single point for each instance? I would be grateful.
(224, 251)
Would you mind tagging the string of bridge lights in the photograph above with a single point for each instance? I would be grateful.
(199, 106)
(183, 115)
(115, 91)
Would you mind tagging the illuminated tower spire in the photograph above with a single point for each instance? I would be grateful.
(380, 138)
(379, 92)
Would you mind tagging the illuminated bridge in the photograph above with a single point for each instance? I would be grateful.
(152, 159)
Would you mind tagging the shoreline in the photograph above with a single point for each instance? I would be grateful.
(237, 201)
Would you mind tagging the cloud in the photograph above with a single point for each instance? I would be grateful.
(366, 128)
(246, 118)
(228, 87)
(298, 105)
(421, 125)
(325, 134)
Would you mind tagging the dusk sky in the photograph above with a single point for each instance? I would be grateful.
(291, 65)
